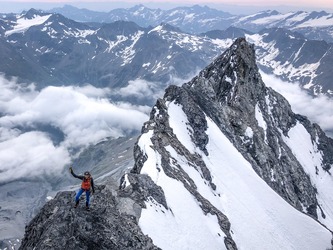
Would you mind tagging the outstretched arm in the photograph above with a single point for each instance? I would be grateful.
(76, 176)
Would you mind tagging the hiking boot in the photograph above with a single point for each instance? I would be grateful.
(87, 208)
(76, 204)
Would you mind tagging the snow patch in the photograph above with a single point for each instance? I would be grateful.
(261, 122)
(150, 166)
(324, 21)
(183, 225)
(249, 132)
(23, 24)
(179, 123)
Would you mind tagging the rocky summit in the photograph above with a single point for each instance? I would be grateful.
(61, 226)
(222, 163)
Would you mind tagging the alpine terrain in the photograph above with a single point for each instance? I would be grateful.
(222, 163)
(51, 49)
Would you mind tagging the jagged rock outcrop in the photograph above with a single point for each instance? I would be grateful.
(60, 226)
(231, 92)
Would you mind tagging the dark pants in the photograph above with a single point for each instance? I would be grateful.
(77, 197)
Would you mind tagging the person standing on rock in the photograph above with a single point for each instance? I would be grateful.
(86, 185)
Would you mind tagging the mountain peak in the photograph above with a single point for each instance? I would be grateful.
(235, 67)
(242, 50)
(241, 53)
(30, 14)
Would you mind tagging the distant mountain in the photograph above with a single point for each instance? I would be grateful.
(222, 163)
(231, 32)
(294, 58)
(80, 15)
(313, 25)
(195, 19)
(50, 49)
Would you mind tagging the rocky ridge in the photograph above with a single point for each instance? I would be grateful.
(59, 226)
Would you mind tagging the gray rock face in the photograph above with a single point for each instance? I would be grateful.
(230, 91)
(60, 226)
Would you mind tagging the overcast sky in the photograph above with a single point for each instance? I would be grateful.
(234, 7)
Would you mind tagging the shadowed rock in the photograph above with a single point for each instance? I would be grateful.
(60, 226)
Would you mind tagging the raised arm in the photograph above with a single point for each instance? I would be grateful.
(76, 176)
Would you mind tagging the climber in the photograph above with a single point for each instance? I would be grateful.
(86, 185)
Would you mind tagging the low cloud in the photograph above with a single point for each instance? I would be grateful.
(141, 90)
(317, 109)
(30, 154)
(84, 116)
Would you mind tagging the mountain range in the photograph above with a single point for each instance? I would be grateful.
(198, 19)
(222, 163)
(50, 49)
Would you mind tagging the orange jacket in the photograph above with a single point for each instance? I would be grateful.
(86, 183)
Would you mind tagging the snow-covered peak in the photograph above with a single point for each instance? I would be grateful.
(323, 20)
(309, 23)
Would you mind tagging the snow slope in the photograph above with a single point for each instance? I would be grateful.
(22, 24)
(259, 217)
(310, 157)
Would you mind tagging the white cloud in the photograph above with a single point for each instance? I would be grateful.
(141, 89)
(84, 115)
(126, 105)
(91, 91)
(318, 109)
(83, 119)
(148, 92)
(30, 154)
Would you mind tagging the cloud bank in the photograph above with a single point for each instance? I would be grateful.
(82, 114)
(318, 109)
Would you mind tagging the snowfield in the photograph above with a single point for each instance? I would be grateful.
(259, 217)
(23, 24)
(310, 157)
